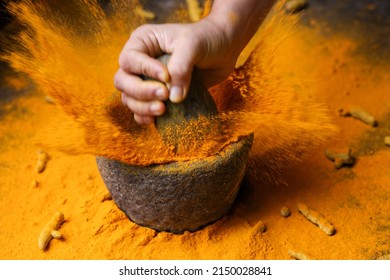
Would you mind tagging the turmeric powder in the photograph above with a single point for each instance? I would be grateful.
(355, 195)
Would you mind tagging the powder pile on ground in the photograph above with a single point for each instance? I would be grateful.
(75, 64)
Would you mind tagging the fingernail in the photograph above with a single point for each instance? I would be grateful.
(156, 108)
(163, 76)
(176, 94)
(160, 93)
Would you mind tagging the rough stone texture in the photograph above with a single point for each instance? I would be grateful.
(178, 196)
(198, 102)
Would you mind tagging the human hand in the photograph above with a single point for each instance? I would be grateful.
(203, 45)
(212, 45)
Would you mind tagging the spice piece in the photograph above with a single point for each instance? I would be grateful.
(295, 6)
(34, 184)
(194, 10)
(387, 141)
(340, 159)
(285, 211)
(106, 197)
(50, 230)
(259, 227)
(359, 114)
(298, 255)
(145, 14)
(49, 99)
(43, 158)
(316, 218)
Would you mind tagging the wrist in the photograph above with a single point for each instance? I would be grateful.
(239, 20)
(226, 23)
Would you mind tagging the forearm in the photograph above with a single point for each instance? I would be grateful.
(240, 19)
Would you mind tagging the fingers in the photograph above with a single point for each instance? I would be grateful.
(138, 63)
(138, 57)
(150, 41)
(143, 98)
(151, 108)
(143, 120)
(144, 112)
(136, 88)
(180, 68)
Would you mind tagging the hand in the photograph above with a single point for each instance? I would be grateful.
(212, 45)
(204, 45)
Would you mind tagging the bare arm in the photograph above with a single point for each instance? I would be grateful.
(240, 19)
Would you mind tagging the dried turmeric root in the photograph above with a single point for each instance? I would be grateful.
(316, 218)
(144, 13)
(387, 141)
(298, 255)
(259, 227)
(43, 158)
(34, 184)
(194, 10)
(359, 114)
(50, 230)
(285, 211)
(340, 160)
(106, 197)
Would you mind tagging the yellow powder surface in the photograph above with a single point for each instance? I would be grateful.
(295, 79)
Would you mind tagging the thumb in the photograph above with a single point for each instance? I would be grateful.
(180, 67)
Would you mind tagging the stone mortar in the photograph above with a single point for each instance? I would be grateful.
(178, 196)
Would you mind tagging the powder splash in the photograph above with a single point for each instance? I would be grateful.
(73, 58)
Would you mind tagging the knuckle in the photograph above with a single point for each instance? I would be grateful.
(132, 106)
(137, 93)
(144, 69)
(140, 33)
(117, 82)
(181, 71)
(125, 59)
(142, 119)
(138, 107)
(178, 69)
(139, 119)
(122, 60)
(123, 99)
(140, 30)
